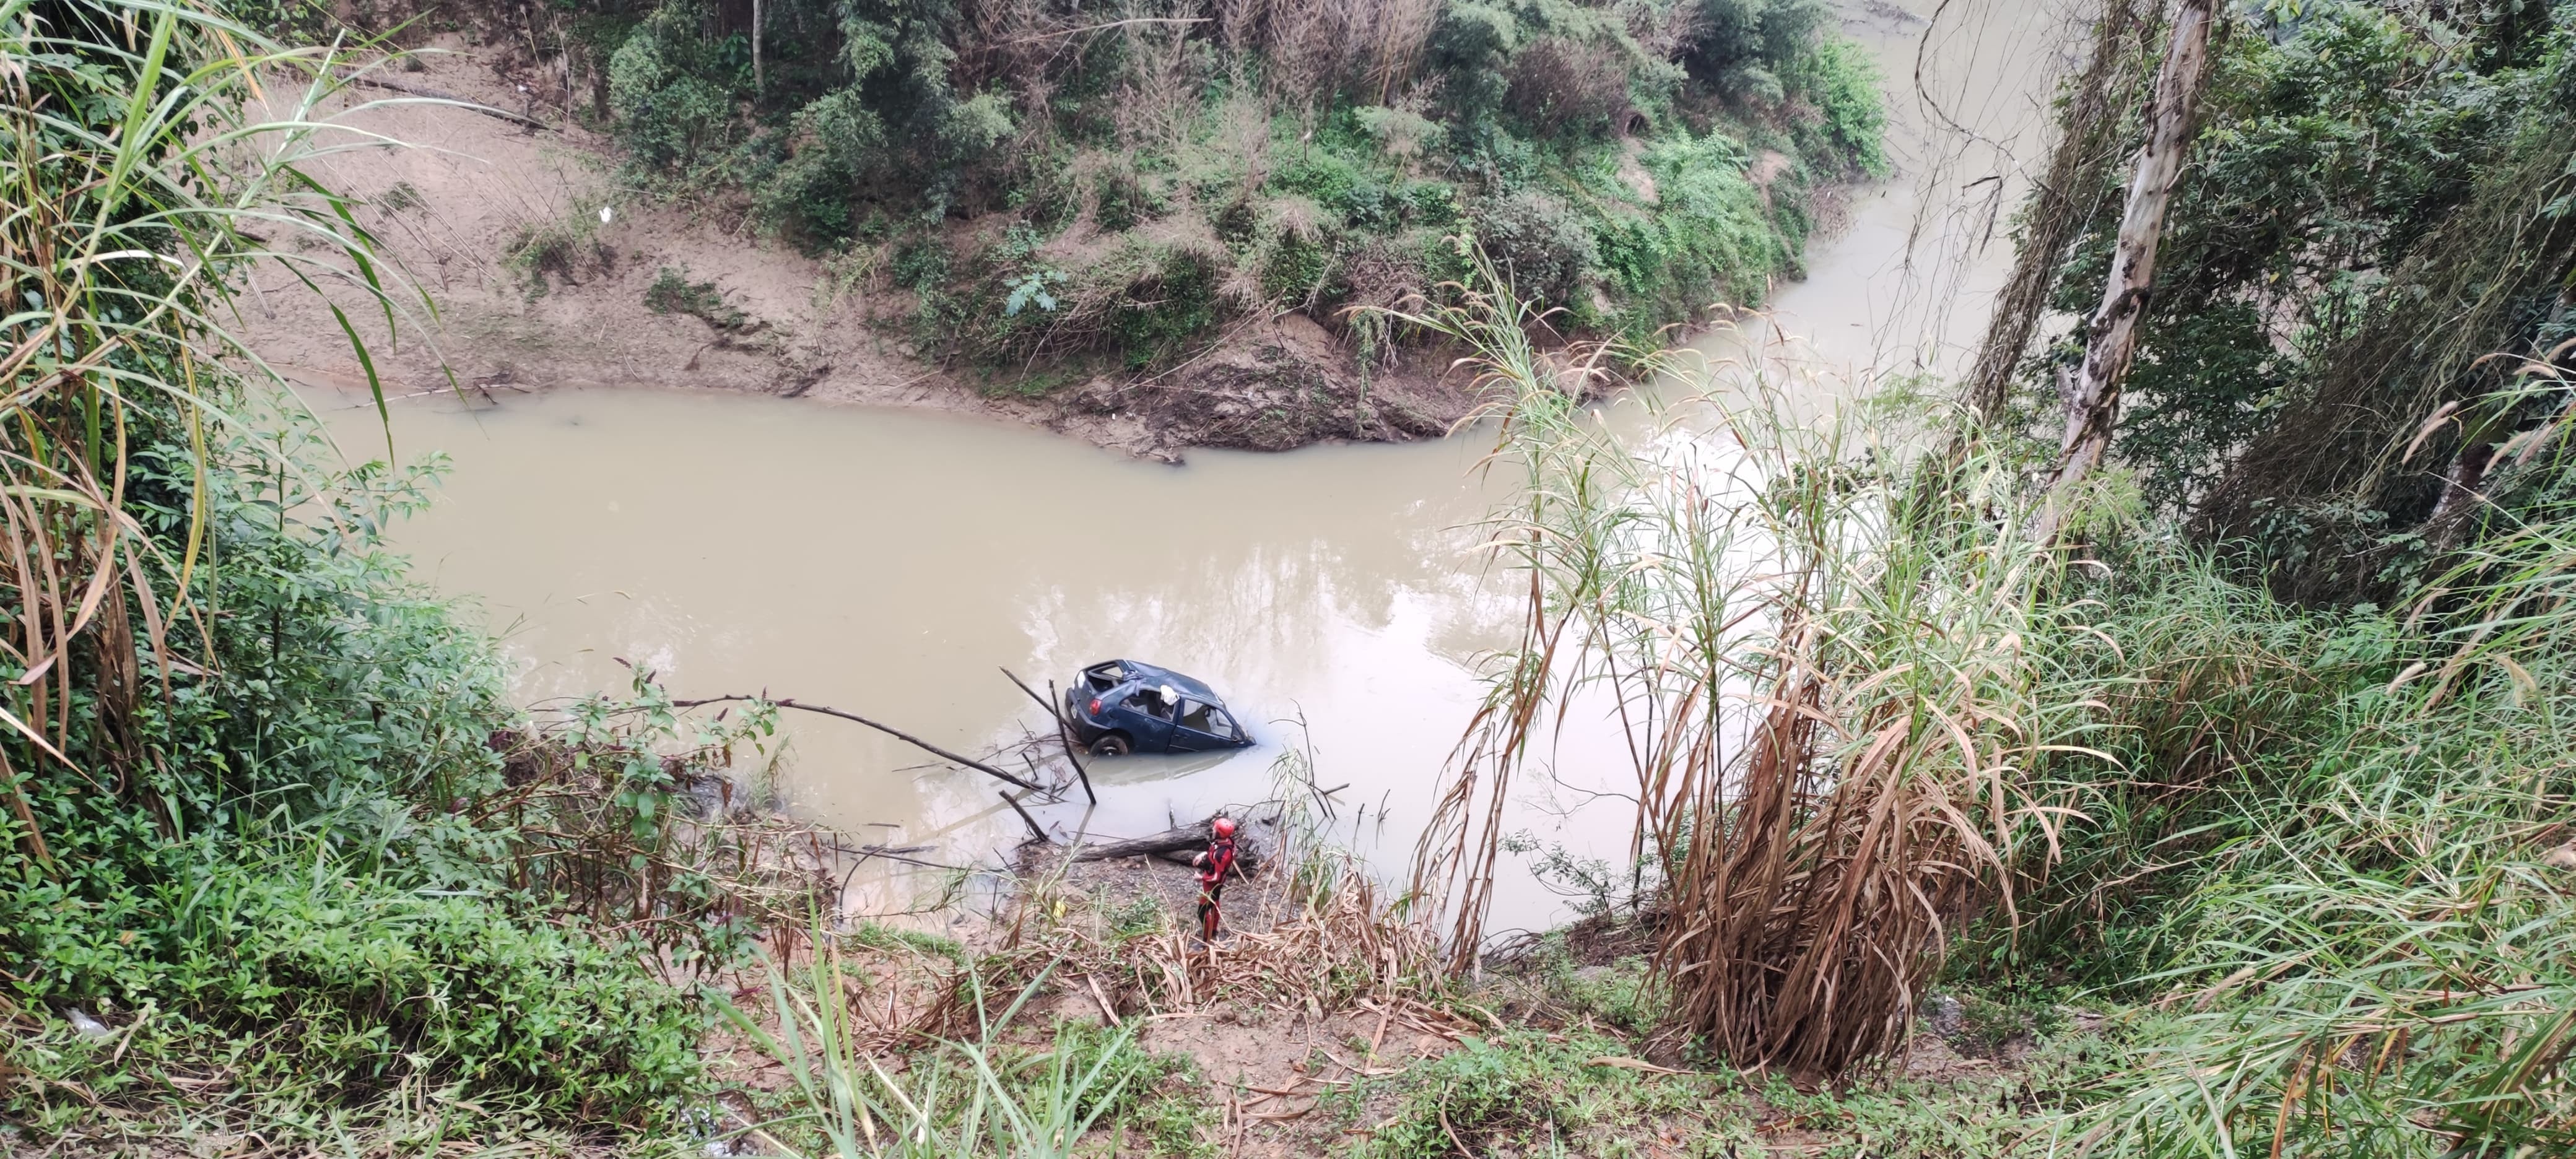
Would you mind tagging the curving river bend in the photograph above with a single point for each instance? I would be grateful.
(888, 562)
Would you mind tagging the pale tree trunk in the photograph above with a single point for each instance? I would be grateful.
(2111, 341)
(758, 87)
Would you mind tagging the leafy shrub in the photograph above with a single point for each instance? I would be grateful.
(1708, 238)
(672, 99)
(1743, 44)
(673, 293)
(352, 986)
(1170, 302)
(1540, 242)
(1522, 1090)
(1838, 78)
(280, 904)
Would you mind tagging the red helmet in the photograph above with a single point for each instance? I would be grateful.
(1223, 826)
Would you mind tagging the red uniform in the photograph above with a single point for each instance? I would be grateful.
(1215, 865)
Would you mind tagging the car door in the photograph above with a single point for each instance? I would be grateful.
(1148, 721)
(1203, 727)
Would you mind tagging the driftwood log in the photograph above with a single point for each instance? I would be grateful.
(1179, 845)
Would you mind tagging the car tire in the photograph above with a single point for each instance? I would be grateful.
(1112, 745)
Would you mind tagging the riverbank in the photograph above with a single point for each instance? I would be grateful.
(1311, 1028)
(544, 274)
(544, 266)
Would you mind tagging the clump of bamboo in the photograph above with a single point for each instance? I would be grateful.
(1819, 644)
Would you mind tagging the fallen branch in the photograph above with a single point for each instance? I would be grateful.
(889, 730)
(426, 93)
(1063, 732)
(1037, 832)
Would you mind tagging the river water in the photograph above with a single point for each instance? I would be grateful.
(891, 562)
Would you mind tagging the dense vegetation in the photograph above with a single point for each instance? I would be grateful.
(2263, 754)
(2263, 748)
(2374, 226)
(1049, 180)
(276, 844)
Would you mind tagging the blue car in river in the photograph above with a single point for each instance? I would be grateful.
(1120, 706)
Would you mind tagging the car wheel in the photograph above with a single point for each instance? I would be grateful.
(1112, 745)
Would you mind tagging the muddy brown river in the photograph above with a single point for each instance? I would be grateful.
(891, 562)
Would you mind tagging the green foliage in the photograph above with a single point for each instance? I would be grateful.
(2377, 200)
(1540, 243)
(1981, 1114)
(1839, 79)
(1708, 238)
(2339, 861)
(558, 249)
(900, 113)
(967, 1098)
(1525, 1090)
(343, 988)
(262, 831)
(673, 293)
(672, 91)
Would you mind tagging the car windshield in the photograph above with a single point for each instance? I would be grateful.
(1206, 718)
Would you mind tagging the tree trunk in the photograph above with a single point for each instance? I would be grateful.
(758, 86)
(2111, 341)
(2075, 163)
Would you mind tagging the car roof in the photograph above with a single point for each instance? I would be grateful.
(1189, 686)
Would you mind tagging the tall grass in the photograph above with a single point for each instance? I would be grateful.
(952, 1100)
(2363, 925)
(1818, 645)
(153, 151)
(2330, 852)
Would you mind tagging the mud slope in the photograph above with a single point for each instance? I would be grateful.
(569, 309)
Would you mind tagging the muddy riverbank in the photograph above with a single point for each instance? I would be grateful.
(546, 273)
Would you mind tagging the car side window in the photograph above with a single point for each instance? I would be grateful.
(1206, 718)
(1151, 705)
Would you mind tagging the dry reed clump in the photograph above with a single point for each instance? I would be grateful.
(1821, 660)
(1570, 85)
(1320, 941)
(1310, 930)
(1313, 50)
(1318, 936)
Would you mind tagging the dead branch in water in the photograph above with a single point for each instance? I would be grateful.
(889, 730)
(1037, 832)
(1063, 731)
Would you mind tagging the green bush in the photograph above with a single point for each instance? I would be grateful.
(1540, 242)
(345, 988)
(1850, 126)
(1522, 1089)
(672, 97)
(673, 293)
